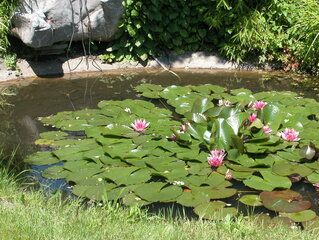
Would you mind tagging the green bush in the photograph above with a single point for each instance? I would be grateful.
(251, 29)
(305, 31)
(152, 27)
(6, 7)
(284, 32)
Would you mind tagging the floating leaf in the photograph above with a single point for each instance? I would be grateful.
(157, 192)
(302, 216)
(53, 135)
(133, 200)
(98, 193)
(55, 172)
(41, 158)
(217, 192)
(287, 201)
(192, 198)
(251, 200)
(287, 168)
(201, 105)
(214, 211)
(268, 182)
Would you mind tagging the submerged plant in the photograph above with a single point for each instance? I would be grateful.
(211, 145)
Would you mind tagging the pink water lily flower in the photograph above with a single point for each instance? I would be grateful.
(228, 175)
(267, 129)
(224, 102)
(289, 135)
(140, 125)
(257, 105)
(252, 118)
(216, 157)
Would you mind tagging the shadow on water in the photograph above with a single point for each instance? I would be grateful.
(43, 97)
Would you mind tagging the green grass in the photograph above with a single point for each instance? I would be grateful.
(29, 214)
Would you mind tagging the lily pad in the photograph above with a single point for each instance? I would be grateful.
(133, 200)
(251, 200)
(302, 216)
(214, 211)
(157, 192)
(98, 193)
(286, 201)
(192, 198)
(41, 158)
(268, 182)
(287, 168)
(55, 172)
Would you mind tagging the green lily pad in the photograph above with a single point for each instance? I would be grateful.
(287, 168)
(217, 192)
(251, 200)
(133, 200)
(302, 216)
(213, 180)
(53, 135)
(313, 178)
(98, 193)
(83, 173)
(118, 174)
(157, 192)
(41, 158)
(192, 198)
(214, 211)
(268, 182)
(55, 172)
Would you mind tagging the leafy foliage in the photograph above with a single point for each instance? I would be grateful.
(6, 7)
(283, 32)
(166, 161)
(150, 28)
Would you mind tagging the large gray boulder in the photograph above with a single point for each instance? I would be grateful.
(41, 23)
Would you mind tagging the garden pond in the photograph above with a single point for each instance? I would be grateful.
(215, 142)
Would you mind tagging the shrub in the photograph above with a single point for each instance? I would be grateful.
(284, 32)
(6, 7)
(152, 27)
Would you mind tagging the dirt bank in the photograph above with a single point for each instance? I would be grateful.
(60, 66)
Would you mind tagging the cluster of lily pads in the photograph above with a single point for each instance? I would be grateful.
(189, 152)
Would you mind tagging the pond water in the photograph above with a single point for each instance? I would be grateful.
(43, 97)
